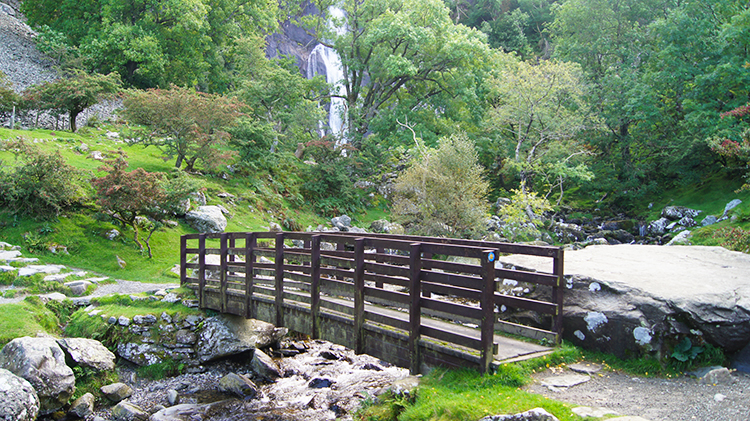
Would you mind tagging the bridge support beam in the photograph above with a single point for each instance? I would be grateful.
(415, 307)
(488, 310)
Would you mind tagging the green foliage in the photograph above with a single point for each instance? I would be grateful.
(733, 238)
(42, 186)
(685, 351)
(443, 192)
(35, 284)
(184, 123)
(522, 217)
(7, 278)
(329, 186)
(127, 196)
(63, 310)
(8, 97)
(72, 95)
(91, 381)
(159, 371)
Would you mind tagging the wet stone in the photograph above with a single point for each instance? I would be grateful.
(319, 383)
(567, 380)
(585, 368)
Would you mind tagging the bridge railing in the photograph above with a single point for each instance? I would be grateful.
(403, 277)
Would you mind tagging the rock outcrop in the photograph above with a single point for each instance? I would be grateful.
(89, 353)
(209, 219)
(631, 299)
(42, 363)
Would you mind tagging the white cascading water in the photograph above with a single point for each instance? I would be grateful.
(334, 76)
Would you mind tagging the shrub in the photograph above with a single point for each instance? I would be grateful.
(329, 186)
(42, 186)
(736, 238)
(443, 192)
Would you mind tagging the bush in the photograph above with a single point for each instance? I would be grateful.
(736, 239)
(42, 186)
(443, 192)
(329, 186)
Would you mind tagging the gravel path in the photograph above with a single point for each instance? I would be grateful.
(119, 287)
(655, 399)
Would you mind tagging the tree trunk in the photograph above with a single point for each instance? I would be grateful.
(73, 117)
(178, 163)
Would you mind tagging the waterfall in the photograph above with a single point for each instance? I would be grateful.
(326, 60)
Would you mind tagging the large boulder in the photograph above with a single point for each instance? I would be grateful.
(88, 353)
(18, 399)
(628, 299)
(674, 213)
(536, 414)
(41, 361)
(209, 219)
(229, 335)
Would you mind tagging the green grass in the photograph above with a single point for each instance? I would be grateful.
(26, 318)
(452, 395)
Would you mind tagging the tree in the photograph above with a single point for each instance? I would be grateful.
(537, 113)
(394, 47)
(443, 192)
(74, 94)
(189, 125)
(42, 185)
(154, 43)
(128, 197)
(738, 148)
(8, 97)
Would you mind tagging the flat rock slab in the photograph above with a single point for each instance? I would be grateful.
(585, 411)
(673, 272)
(585, 368)
(629, 419)
(565, 381)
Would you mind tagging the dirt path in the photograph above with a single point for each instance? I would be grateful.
(655, 399)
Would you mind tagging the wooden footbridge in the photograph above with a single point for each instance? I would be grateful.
(412, 301)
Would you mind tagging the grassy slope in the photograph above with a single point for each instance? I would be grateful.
(84, 235)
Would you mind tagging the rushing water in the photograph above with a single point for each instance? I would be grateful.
(333, 69)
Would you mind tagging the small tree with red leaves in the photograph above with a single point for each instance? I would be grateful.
(736, 149)
(184, 124)
(129, 197)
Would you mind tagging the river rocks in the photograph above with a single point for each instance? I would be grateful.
(264, 366)
(634, 299)
(343, 222)
(116, 392)
(87, 353)
(208, 219)
(536, 414)
(125, 411)
(42, 363)
(18, 399)
(83, 406)
(731, 205)
(674, 213)
(239, 385)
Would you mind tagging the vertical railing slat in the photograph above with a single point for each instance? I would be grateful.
(359, 294)
(250, 243)
(415, 308)
(315, 286)
(279, 289)
(558, 294)
(183, 260)
(202, 270)
(223, 252)
(488, 310)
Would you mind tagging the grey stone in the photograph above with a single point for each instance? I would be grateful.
(709, 220)
(78, 288)
(116, 392)
(680, 239)
(18, 399)
(731, 205)
(717, 375)
(125, 411)
(585, 368)
(34, 269)
(264, 366)
(659, 226)
(274, 227)
(148, 319)
(675, 213)
(173, 397)
(186, 337)
(238, 384)
(565, 381)
(598, 412)
(342, 222)
(536, 414)
(87, 353)
(208, 219)
(741, 360)
(123, 321)
(112, 234)
(83, 406)
(41, 362)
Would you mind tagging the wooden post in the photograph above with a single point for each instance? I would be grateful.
(315, 286)
(201, 270)
(183, 260)
(488, 310)
(279, 279)
(359, 295)
(379, 250)
(223, 252)
(557, 294)
(415, 308)
(250, 243)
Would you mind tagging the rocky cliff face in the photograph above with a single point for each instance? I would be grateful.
(293, 41)
(19, 59)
